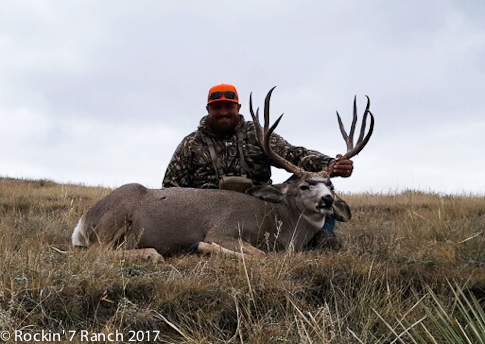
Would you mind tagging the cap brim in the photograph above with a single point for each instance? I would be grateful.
(223, 100)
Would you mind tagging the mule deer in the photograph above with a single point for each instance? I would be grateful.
(148, 222)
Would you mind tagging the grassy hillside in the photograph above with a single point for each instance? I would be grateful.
(410, 264)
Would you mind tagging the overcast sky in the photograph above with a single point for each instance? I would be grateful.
(102, 92)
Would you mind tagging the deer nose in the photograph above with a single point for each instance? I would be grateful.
(326, 200)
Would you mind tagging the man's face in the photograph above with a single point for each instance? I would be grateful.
(223, 117)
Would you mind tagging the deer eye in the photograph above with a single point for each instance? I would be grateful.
(305, 187)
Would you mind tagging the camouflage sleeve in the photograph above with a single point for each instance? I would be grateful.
(178, 171)
(307, 159)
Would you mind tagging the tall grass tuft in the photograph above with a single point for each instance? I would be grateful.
(457, 320)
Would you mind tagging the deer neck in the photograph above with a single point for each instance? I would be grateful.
(301, 230)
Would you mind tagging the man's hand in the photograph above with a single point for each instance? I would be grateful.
(341, 167)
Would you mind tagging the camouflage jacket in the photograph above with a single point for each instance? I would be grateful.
(192, 166)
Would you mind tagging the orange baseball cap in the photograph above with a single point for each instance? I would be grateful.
(222, 92)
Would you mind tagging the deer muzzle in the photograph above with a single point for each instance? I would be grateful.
(325, 202)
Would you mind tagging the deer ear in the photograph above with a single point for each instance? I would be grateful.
(341, 209)
(270, 193)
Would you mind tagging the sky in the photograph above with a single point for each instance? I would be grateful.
(102, 92)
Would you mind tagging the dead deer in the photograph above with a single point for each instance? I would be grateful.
(149, 223)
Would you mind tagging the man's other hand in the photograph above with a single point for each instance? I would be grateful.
(342, 167)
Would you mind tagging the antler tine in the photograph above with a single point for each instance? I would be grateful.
(251, 106)
(259, 130)
(354, 121)
(265, 135)
(364, 119)
(255, 118)
(268, 133)
(266, 109)
(344, 133)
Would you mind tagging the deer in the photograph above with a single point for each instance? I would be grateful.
(149, 224)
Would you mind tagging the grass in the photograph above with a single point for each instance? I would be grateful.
(412, 271)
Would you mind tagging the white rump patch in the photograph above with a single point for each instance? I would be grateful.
(78, 238)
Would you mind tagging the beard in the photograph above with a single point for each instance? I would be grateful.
(224, 125)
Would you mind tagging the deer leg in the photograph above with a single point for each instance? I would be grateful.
(237, 249)
(143, 254)
(250, 250)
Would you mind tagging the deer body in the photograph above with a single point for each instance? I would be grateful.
(173, 220)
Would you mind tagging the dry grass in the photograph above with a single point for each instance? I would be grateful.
(400, 252)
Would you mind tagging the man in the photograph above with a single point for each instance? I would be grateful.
(224, 153)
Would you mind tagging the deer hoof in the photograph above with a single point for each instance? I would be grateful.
(151, 255)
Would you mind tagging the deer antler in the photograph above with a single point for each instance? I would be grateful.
(349, 139)
(264, 136)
